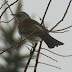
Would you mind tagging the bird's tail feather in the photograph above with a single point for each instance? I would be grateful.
(50, 41)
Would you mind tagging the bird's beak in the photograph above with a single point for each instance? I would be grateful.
(13, 15)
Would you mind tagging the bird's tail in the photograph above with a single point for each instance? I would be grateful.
(50, 41)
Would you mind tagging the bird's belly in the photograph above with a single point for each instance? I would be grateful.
(32, 39)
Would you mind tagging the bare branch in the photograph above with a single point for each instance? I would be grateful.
(35, 68)
(62, 17)
(3, 4)
(16, 45)
(62, 29)
(49, 65)
(30, 58)
(7, 21)
(59, 31)
(43, 54)
(48, 57)
(56, 53)
(8, 7)
(46, 11)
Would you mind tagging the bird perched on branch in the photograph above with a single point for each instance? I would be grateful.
(27, 25)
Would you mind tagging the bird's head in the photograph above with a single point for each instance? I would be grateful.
(21, 16)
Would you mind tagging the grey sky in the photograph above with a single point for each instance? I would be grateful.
(54, 14)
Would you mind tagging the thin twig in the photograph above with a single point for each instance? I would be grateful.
(49, 65)
(62, 17)
(56, 53)
(48, 57)
(16, 45)
(7, 21)
(35, 68)
(45, 63)
(41, 41)
(63, 29)
(59, 31)
(8, 7)
(46, 11)
(10, 11)
(3, 4)
(44, 55)
(30, 58)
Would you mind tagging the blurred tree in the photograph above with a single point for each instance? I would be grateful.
(12, 58)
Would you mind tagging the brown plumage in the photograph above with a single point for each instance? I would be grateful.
(27, 26)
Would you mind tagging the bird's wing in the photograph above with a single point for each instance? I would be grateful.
(29, 25)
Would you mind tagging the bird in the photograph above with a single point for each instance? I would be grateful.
(26, 26)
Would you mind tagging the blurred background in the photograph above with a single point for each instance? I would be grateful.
(12, 60)
(15, 60)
